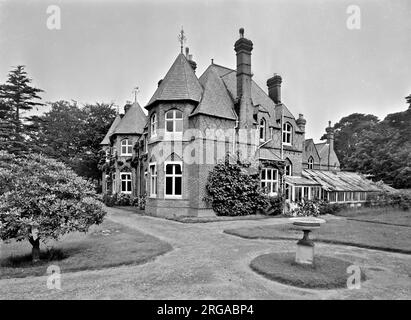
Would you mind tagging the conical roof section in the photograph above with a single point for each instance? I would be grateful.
(180, 83)
(215, 101)
(133, 121)
(114, 124)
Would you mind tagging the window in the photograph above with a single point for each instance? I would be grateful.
(174, 121)
(288, 169)
(269, 180)
(340, 196)
(107, 155)
(153, 125)
(113, 183)
(153, 180)
(145, 181)
(125, 182)
(287, 131)
(287, 191)
(262, 129)
(126, 147)
(306, 193)
(332, 197)
(298, 194)
(315, 193)
(311, 163)
(363, 196)
(174, 179)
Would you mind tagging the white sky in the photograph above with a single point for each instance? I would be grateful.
(105, 48)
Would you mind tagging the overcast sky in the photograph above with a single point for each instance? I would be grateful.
(105, 48)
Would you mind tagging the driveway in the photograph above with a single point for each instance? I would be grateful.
(206, 263)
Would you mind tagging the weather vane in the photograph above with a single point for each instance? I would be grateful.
(136, 90)
(182, 39)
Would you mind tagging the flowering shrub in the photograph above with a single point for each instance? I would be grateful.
(314, 208)
(40, 198)
(275, 205)
(234, 192)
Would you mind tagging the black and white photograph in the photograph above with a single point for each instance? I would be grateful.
(224, 151)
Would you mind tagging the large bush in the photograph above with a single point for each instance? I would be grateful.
(40, 199)
(233, 191)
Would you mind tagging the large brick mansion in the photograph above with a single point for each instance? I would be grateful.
(194, 122)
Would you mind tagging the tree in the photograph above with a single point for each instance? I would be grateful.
(347, 134)
(15, 95)
(40, 199)
(72, 134)
(18, 92)
(381, 149)
(408, 99)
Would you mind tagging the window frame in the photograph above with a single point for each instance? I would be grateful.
(288, 133)
(153, 125)
(271, 182)
(290, 171)
(153, 177)
(174, 120)
(173, 176)
(126, 181)
(310, 163)
(262, 129)
(128, 146)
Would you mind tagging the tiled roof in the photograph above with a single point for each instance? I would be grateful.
(133, 121)
(215, 101)
(116, 121)
(258, 95)
(341, 180)
(325, 152)
(180, 83)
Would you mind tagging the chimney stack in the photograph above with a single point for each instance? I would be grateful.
(190, 60)
(274, 88)
(301, 122)
(330, 135)
(243, 48)
(127, 107)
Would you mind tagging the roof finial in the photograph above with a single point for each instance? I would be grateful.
(182, 38)
(241, 32)
(329, 123)
(136, 90)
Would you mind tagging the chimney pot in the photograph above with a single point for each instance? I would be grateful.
(274, 88)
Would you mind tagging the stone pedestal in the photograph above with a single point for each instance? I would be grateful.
(305, 247)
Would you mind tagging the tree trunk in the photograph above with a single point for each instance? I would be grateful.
(35, 251)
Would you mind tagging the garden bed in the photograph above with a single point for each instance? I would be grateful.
(326, 273)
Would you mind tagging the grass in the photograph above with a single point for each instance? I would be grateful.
(188, 219)
(379, 215)
(363, 234)
(107, 245)
(326, 273)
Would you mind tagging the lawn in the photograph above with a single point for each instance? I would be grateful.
(379, 215)
(372, 235)
(107, 245)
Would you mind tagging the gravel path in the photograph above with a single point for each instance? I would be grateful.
(205, 263)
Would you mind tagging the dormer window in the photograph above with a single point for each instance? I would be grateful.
(287, 133)
(311, 163)
(262, 129)
(174, 121)
(153, 125)
(126, 147)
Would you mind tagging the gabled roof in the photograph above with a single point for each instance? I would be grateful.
(116, 121)
(180, 83)
(341, 180)
(258, 95)
(133, 121)
(215, 100)
(305, 153)
(326, 152)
